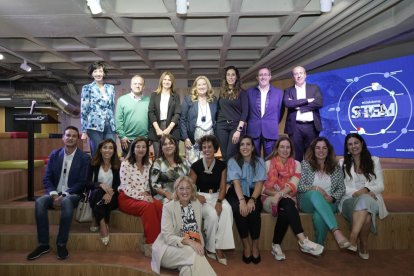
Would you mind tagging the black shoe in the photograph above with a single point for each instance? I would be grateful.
(256, 260)
(247, 260)
(62, 252)
(39, 251)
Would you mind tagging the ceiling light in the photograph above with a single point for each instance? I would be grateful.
(25, 67)
(326, 5)
(182, 6)
(1, 56)
(95, 6)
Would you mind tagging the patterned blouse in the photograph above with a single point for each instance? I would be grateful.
(96, 109)
(133, 182)
(163, 175)
(189, 223)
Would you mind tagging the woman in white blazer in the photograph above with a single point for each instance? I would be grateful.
(180, 244)
(362, 201)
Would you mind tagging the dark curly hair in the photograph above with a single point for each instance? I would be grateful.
(96, 65)
(330, 161)
(208, 138)
(224, 91)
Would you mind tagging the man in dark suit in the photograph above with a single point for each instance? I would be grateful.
(64, 182)
(303, 122)
(265, 112)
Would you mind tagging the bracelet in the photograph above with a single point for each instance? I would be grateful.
(241, 199)
(219, 201)
(253, 198)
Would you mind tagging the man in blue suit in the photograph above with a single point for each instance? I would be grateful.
(265, 112)
(64, 182)
(303, 122)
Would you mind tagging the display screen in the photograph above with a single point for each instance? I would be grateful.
(374, 100)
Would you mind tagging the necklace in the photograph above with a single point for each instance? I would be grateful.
(203, 114)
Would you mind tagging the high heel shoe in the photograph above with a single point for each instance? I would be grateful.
(256, 260)
(247, 260)
(105, 240)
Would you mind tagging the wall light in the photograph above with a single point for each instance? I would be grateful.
(95, 6)
(1, 56)
(326, 5)
(182, 6)
(24, 66)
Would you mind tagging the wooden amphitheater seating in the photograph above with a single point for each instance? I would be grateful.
(122, 257)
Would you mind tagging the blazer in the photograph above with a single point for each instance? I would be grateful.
(93, 183)
(189, 115)
(268, 125)
(308, 177)
(93, 110)
(292, 103)
(77, 173)
(173, 115)
(171, 224)
(376, 185)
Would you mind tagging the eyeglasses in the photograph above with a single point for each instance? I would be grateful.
(264, 75)
(298, 74)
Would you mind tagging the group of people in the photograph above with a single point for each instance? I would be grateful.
(187, 205)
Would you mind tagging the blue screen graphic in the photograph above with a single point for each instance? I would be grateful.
(375, 100)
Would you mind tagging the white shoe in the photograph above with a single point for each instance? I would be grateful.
(277, 252)
(311, 247)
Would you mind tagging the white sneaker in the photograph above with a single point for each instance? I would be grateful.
(277, 252)
(311, 247)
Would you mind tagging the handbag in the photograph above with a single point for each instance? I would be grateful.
(84, 210)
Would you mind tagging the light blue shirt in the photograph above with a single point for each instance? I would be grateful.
(246, 175)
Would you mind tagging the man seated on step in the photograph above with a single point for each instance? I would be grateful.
(64, 182)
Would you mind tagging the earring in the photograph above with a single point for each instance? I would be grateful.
(348, 153)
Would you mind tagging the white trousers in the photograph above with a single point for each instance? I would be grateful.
(186, 261)
(218, 230)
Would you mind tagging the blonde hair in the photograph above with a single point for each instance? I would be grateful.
(210, 91)
(187, 179)
(163, 75)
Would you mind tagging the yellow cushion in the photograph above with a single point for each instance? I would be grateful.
(19, 164)
(41, 135)
(5, 135)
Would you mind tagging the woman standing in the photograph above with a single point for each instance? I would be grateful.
(231, 113)
(362, 201)
(135, 194)
(103, 179)
(320, 189)
(164, 111)
(167, 168)
(198, 116)
(180, 244)
(97, 108)
(246, 173)
(209, 174)
(283, 174)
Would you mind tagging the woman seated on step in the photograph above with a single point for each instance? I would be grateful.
(362, 201)
(246, 173)
(279, 198)
(167, 168)
(135, 193)
(103, 179)
(320, 189)
(180, 244)
(209, 174)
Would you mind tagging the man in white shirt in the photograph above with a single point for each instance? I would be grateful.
(303, 121)
(64, 182)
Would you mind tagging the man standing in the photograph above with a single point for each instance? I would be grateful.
(265, 112)
(303, 122)
(64, 182)
(132, 114)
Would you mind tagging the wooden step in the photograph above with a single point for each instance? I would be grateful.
(22, 212)
(24, 237)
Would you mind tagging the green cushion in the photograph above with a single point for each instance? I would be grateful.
(19, 164)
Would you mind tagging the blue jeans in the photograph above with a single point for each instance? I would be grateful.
(43, 204)
(323, 216)
(95, 137)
